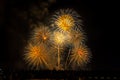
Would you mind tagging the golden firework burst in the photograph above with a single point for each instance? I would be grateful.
(60, 38)
(80, 55)
(41, 34)
(66, 19)
(65, 22)
(36, 56)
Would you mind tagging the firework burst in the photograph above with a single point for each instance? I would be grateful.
(41, 34)
(60, 38)
(36, 56)
(80, 56)
(65, 22)
(66, 19)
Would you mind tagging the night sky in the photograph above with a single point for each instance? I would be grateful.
(99, 25)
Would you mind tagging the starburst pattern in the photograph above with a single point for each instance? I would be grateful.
(41, 34)
(60, 38)
(65, 22)
(80, 55)
(36, 56)
(66, 19)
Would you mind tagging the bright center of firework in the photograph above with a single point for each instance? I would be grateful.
(65, 22)
(80, 52)
(44, 37)
(59, 38)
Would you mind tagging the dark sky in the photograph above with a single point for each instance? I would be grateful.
(99, 19)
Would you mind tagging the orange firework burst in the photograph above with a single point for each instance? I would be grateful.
(36, 56)
(41, 34)
(80, 55)
(66, 19)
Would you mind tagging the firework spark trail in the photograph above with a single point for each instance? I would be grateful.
(59, 40)
(66, 20)
(41, 34)
(80, 55)
(67, 58)
(36, 56)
